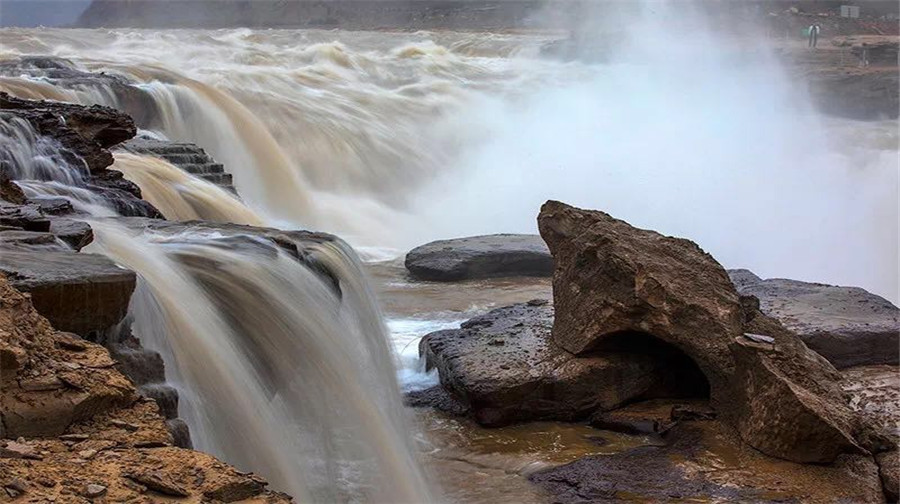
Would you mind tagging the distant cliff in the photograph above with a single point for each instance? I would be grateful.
(359, 14)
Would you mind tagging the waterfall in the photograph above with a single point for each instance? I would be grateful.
(42, 168)
(180, 195)
(286, 376)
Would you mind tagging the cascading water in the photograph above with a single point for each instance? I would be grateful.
(181, 196)
(43, 168)
(288, 373)
(392, 139)
(284, 368)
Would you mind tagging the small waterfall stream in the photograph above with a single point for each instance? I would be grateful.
(180, 196)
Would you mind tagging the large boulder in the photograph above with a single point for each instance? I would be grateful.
(849, 326)
(80, 293)
(503, 367)
(499, 255)
(616, 287)
(613, 282)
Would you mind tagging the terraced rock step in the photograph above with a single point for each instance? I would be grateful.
(187, 156)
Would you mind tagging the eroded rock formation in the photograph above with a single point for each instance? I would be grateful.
(615, 285)
(504, 368)
(85, 135)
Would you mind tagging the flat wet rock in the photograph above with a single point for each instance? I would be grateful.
(80, 293)
(29, 240)
(706, 462)
(849, 326)
(503, 367)
(489, 256)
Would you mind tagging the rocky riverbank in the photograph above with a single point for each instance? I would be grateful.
(75, 429)
(640, 317)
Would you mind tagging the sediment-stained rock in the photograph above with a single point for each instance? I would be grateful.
(874, 394)
(66, 381)
(889, 470)
(849, 326)
(615, 286)
(476, 257)
(504, 368)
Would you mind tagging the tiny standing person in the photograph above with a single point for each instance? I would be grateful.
(814, 35)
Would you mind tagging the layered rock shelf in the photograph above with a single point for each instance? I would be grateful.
(189, 157)
(74, 429)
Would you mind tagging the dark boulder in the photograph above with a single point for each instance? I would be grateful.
(849, 326)
(503, 367)
(75, 233)
(476, 257)
(435, 397)
(25, 217)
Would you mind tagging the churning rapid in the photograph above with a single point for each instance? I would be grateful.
(391, 139)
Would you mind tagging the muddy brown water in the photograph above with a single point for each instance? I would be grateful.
(469, 463)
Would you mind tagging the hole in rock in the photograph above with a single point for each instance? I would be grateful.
(679, 375)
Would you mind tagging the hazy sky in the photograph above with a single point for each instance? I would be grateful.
(40, 12)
